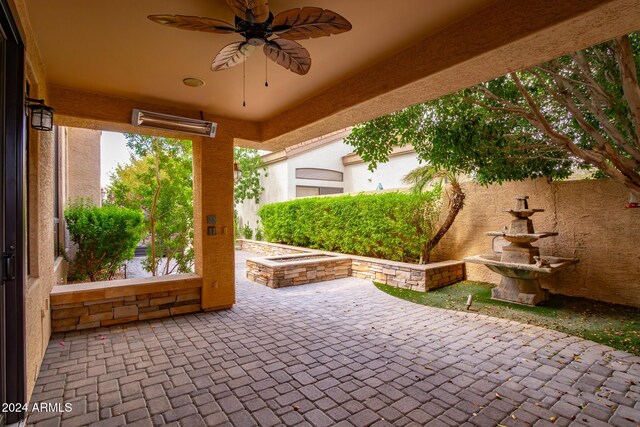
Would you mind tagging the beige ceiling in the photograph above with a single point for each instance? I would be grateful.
(110, 47)
(103, 58)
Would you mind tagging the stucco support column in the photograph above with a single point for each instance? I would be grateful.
(213, 196)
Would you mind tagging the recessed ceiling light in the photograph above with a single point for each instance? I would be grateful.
(193, 82)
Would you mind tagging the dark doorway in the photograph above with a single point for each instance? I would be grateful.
(12, 149)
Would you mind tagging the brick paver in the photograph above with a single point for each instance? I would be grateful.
(333, 353)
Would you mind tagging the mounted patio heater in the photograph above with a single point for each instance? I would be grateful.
(152, 120)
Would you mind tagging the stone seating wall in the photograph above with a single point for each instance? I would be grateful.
(102, 304)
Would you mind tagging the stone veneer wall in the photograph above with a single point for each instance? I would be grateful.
(92, 305)
(399, 274)
(265, 248)
(280, 276)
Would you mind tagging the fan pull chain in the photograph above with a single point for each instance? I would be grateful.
(266, 74)
(244, 79)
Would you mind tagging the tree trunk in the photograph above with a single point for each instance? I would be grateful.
(152, 218)
(457, 203)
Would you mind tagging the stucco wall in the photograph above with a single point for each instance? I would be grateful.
(83, 170)
(593, 224)
(275, 190)
(358, 177)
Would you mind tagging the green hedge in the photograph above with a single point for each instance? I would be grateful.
(392, 226)
(106, 236)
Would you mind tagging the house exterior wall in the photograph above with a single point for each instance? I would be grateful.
(44, 267)
(276, 189)
(325, 157)
(358, 177)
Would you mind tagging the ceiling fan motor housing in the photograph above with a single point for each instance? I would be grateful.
(256, 34)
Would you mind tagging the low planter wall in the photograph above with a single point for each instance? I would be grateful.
(277, 274)
(408, 276)
(92, 305)
(265, 248)
(399, 274)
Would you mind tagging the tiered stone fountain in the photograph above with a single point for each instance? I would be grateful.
(520, 263)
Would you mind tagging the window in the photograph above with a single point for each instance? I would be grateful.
(307, 191)
(319, 174)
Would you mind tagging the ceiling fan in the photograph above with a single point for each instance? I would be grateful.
(255, 22)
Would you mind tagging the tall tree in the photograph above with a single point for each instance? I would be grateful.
(159, 181)
(578, 111)
(420, 179)
(248, 187)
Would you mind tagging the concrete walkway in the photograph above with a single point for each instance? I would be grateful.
(135, 269)
(338, 353)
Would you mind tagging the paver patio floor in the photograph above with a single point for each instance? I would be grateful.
(334, 353)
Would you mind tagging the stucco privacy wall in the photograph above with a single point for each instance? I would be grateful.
(593, 224)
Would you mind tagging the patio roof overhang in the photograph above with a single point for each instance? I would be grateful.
(102, 59)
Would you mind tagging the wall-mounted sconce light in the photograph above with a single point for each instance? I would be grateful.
(237, 173)
(41, 114)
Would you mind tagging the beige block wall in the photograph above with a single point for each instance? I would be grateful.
(593, 224)
(83, 170)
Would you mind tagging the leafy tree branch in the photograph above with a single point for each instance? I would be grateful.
(579, 111)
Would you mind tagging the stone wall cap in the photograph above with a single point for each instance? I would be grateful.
(421, 267)
(319, 258)
(193, 279)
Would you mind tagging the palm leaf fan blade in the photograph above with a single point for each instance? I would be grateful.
(194, 23)
(288, 54)
(253, 11)
(309, 22)
(231, 55)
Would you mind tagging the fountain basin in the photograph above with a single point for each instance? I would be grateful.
(520, 282)
(521, 237)
(522, 213)
(550, 265)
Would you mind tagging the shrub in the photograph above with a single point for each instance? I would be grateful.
(247, 232)
(106, 237)
(393, 226)
(259, 233)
